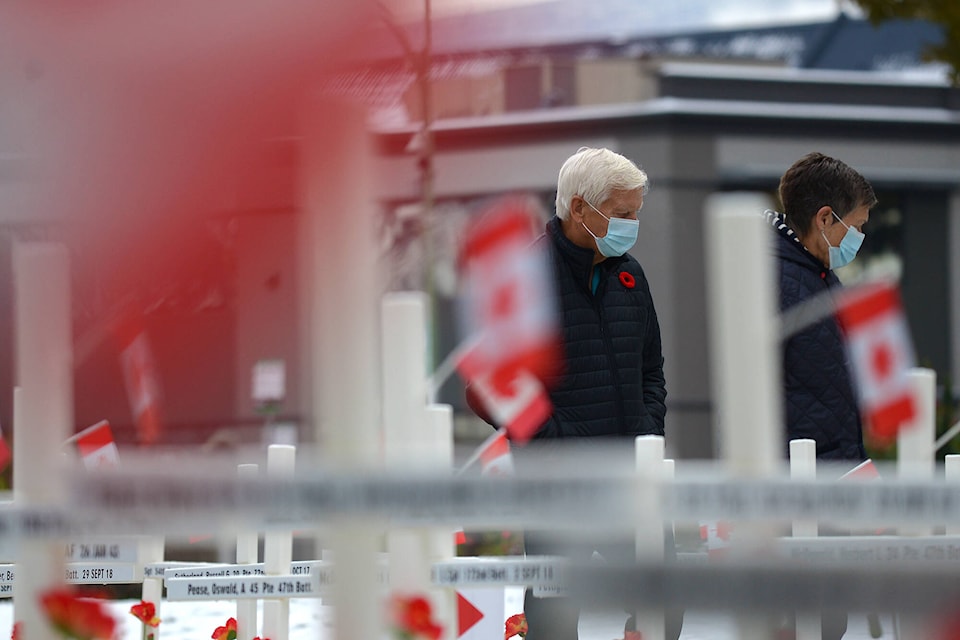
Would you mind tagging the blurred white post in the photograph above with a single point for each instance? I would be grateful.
(247, 553)
(916, 460)
(278, 548)
(342, 289)
(744, 334)
(951, 471)
(405, 428)
(669, 473)
(404, 357)
(441, 545)
(803, 466)
(649, 531)
(916, 457)
(150, 550)
(745, 352)
(43, 409)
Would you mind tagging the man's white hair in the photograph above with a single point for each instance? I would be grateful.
(593, 174)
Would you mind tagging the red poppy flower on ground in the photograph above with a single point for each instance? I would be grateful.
(76, 617)
(412, 618)
(627, 280)
(516, 626)
(146, 612)
(227, 631)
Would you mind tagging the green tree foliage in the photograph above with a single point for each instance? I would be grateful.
(946, 13)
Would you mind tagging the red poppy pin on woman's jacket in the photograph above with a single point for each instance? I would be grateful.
(627, 280)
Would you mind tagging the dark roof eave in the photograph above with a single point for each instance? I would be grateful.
(713, 113)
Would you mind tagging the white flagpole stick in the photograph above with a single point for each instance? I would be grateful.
(448, 367)
(80, 434)
(947, 436)
(479, 450)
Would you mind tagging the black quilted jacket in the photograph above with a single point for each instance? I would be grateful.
(613, 381)
(819, 397)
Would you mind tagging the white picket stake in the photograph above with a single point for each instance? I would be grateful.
(44, 414)
(247, 553)
(278, 548)
(150, 550)
(916, 457)
(405, 436)
(441, 545)
(669, 473)
(415, 436)
(803, 466)
(649, 451)
(744, 345)
(336, 174)
(404, 354)
(951, 471)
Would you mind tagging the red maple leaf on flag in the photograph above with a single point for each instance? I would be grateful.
(509, 307)
(881, 354)
(509, 317)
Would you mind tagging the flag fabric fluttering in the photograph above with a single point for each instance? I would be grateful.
(5, 454)
(716, 535)
(96, 447)
(495, 458)
(866, 470)
(509, 317)
(519, 403)
(881, 354)
(143, 387)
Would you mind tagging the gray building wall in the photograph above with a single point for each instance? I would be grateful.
(691, 148)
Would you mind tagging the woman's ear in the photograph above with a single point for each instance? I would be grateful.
(823, 217)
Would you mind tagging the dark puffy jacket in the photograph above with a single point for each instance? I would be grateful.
(819, 398)
(612, 383)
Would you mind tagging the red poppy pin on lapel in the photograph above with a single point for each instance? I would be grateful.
(627, 280)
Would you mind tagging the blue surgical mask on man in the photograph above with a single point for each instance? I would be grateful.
(621, 235)
(849, 246)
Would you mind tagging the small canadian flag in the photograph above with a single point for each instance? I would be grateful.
(143, 387)
(881, 354)
(508, 297)
(96, 447)
(518, 402)
(716, 535)
(495, 457)
(866, 470)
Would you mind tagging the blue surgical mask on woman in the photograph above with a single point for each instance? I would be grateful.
(621, 235)
(849, 246)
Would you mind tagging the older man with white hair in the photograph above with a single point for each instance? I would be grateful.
(611, 386)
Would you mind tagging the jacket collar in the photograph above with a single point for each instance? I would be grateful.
(790, 246)
(579, 259)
